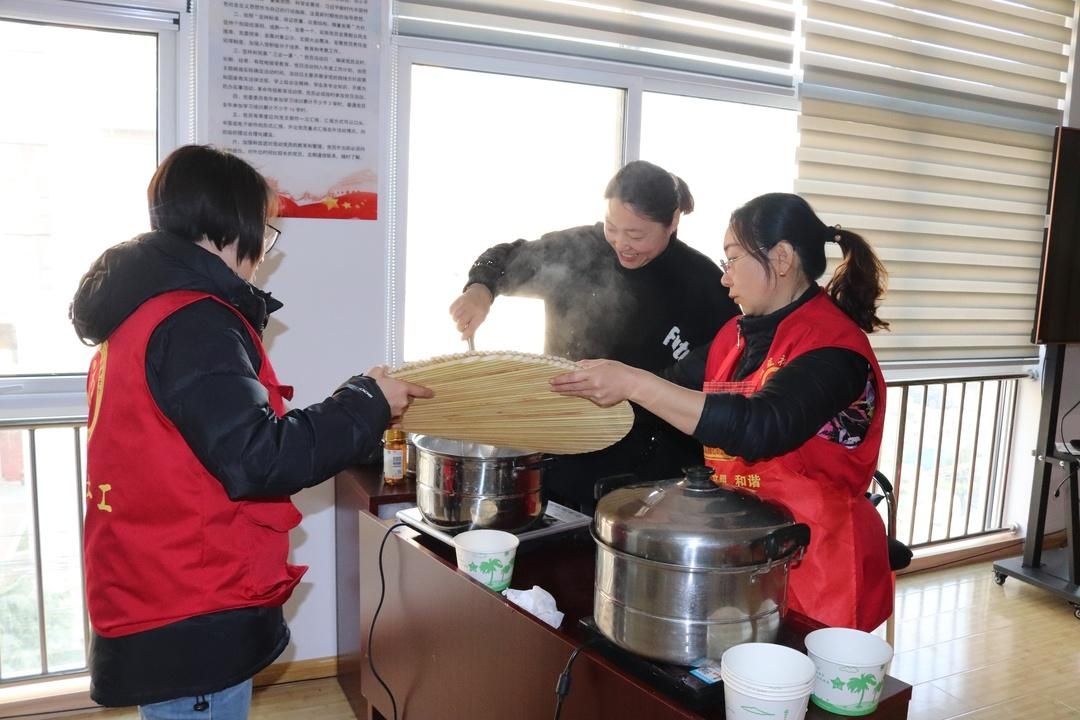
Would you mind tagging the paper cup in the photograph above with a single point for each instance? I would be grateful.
(850, 670)
(767, 666)
(764, 679)
(488, 556)
(740, 704)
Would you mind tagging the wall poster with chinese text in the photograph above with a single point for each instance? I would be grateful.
(294, 91)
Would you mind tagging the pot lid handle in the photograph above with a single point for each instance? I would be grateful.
(699, 477)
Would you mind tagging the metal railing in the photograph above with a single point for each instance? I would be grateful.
(951, 446)
(950, 441)
(44, 627)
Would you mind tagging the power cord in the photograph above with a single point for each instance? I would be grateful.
(562, 687)
(1067, 447)
(1061, 429)
(375, 617)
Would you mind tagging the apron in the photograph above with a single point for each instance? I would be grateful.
(162, 540)
(844, 579)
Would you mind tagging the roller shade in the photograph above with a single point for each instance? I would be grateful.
(739, 39)
(927, 126)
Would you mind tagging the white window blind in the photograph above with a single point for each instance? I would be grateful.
(741, 39)
(927, 126)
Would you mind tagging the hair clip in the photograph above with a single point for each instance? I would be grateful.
(836, 237)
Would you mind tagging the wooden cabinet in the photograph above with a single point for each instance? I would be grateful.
(358, 491)
(450, 649)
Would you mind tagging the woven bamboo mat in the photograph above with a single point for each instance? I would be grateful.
(505, 399)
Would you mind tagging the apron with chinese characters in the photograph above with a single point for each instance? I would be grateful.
(162, 540)
(844, 579)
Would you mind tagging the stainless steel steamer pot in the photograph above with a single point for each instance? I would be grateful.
(685, 569)
(463, 485)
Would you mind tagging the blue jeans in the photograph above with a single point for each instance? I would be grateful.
(228, 704)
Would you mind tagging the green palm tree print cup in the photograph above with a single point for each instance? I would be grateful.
(850, 670)
(487, 556)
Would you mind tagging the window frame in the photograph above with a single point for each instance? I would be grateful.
(634, 82)
(62, 396)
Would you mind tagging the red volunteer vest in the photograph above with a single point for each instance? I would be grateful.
(844, 580)
(162, 540)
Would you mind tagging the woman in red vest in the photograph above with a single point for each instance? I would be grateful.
(791, 401)
(192, 454)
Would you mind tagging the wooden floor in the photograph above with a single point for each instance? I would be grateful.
(321, 699)
(977, 651)
(973, 651)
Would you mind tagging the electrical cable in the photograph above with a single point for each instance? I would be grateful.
(1066, 447)
(1057, 490)
(562, 687)
(375, 617)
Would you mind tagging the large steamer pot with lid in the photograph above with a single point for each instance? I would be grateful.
(463, 485)
(685, 569)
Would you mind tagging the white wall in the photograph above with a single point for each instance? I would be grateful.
(1022, 461)
(330, 275)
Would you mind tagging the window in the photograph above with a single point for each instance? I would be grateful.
(92, 104)
(565, 94)
(727, 152)
(493, 157)
(84, 142)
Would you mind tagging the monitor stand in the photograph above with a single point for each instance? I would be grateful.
(1059, 571)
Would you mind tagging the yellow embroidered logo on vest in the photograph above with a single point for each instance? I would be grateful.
(712, 453)
(769, 368)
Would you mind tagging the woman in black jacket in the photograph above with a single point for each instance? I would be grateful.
(192, 454)
(625, 289)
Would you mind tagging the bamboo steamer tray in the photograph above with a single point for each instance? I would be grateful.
(505, 399)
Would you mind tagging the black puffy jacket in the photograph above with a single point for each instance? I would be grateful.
(202, 370)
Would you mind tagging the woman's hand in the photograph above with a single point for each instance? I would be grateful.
(398, 393)
(604, 382)
(471, 309)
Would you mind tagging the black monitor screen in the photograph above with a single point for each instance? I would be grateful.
(1057, 312)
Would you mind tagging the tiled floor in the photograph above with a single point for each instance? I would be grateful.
(977, 651)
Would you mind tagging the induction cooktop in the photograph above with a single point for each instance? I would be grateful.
(557, 519)
(699, 688)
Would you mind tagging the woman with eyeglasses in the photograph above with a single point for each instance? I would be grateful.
(788, 400)
(192, 454)
(626, 289)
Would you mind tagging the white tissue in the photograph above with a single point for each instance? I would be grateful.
(537, 601)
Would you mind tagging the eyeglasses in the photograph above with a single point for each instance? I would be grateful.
(270, 236)
(725, 265)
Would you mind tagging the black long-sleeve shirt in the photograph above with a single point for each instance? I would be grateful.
(647, 317)
(797, 401)
(202, 370)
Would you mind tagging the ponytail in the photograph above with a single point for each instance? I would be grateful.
(859, 281)
(682, 192)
